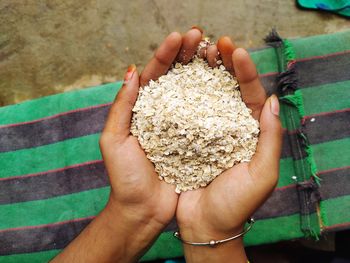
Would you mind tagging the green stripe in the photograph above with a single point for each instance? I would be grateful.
(75, 151)
(166, 246)
(265, 60)
(273, 230)
(37, 257)
(48, 157)
(295, 100)
(283, 114)
(53, 210)
(51, 105)
(333, 154)
(325, 98)
(310, 225)
(336, 210)
(79, 150)
(321, 45)
(286, 172)
(289, 115)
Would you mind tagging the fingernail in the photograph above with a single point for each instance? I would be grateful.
(129, 73)
(197, 27)
(274, 105)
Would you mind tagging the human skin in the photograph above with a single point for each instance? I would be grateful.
(220, 210)
(140, 205)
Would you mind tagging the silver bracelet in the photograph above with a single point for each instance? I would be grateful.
(213, 243)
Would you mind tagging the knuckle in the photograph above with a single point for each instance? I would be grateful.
(162, 60)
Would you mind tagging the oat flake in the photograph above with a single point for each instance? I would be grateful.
(193, 124)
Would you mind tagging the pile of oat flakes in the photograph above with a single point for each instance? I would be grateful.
(193, 124)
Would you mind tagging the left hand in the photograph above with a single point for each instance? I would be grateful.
(220, 210)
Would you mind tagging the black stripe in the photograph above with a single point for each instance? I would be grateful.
(91, 176)
(270, 84)
(315, 71)
(335, 184)
(47, 131)
(289, 146)
(333, 126)
(91, 121)
(47, 185)
(41, 238)
(286, 150)
(63, 182)
(73, 180)
(281, 203)
(323, 70)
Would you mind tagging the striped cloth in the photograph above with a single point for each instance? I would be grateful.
(53, 181)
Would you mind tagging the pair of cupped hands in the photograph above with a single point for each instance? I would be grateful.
(218, 211)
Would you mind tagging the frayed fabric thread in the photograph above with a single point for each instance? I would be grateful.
(287, 83)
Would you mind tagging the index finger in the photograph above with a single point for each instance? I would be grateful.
(162, 59)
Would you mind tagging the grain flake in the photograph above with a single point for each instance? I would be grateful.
(193, 124)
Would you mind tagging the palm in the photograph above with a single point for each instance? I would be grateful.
(230, 199)
(133, 178)
(216, 201)
(227, 201)
(136, 181)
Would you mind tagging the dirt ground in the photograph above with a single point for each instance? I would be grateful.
(52, 46)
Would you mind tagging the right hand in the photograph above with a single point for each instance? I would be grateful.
(136, 190)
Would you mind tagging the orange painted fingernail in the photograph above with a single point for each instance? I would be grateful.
(198, 28)
(130, 72)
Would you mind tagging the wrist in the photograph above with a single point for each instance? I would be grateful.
(202, 231)
(231, 251)
(202, 234)
(136, 228)
(201, 225)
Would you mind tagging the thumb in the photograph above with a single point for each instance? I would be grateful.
(264, 166)
(119, 116)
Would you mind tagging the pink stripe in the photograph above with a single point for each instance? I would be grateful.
(56, 115)
(324, 56)
(306, 59)
(47, 225)
(285, 130)
(268, 74)
(337, 226)
(316, 115)
(51, 171)
(333, 170)
(292, 132)
(106, 104)
(282, 188)
(325, 113)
